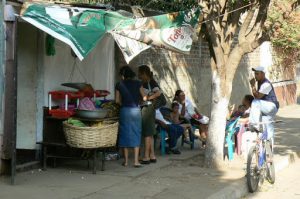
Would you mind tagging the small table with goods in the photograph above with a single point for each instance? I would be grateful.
(66, 141)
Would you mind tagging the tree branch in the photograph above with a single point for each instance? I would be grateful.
(260, 20)
(215, 31)
(232, 26)
(255, 44)
(245, 25)
(295, 4)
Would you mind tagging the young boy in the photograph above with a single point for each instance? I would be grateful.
(176, 119)
(238, 113)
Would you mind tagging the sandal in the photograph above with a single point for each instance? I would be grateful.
(145, 162)
(175, 151)
(153, 160)
(124, 164)
(137, 166)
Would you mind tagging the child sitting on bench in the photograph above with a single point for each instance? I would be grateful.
(176, 119)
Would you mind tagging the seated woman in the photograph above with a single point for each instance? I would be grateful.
(188, 111)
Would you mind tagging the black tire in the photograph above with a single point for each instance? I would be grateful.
(252, 168)
(270, 165)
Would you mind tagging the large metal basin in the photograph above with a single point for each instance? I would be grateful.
(77, 85)
(96, 114)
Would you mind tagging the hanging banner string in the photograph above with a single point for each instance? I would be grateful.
(245, 6)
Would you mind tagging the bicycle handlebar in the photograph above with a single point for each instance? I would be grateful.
(268, 122)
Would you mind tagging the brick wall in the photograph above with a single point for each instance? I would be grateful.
(191, 73)
(284, 78)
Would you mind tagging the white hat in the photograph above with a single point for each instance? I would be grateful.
(259, 68)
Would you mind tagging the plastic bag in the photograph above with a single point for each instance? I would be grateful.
(86, 104)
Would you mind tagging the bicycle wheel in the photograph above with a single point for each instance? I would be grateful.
(252, 170)
(270, 164)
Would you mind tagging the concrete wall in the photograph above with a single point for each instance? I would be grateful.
(286, 93)
(283, 76)
(38, 74)
(96, 69)
(27, 79)
(298, 82)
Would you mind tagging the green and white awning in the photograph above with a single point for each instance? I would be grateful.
(83, 28)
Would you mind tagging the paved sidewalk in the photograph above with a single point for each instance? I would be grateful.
(174, 176)
(286, 186)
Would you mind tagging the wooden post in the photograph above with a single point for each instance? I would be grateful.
(1, 78)
(10, 97)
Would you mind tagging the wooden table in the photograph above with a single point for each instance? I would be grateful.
(53, 139)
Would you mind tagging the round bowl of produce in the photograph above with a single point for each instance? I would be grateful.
(94, 114)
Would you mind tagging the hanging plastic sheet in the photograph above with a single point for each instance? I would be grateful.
(83, 28)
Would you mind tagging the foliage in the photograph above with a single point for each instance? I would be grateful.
(159, 5)
(284, 26)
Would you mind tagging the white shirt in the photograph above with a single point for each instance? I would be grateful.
(189, 109)
(265, 88)
(159, 116)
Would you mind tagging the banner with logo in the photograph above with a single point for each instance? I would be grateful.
(83, 28)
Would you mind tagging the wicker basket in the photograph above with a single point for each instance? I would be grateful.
(91, 137)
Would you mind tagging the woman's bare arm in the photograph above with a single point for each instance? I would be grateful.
(155, 95)
(183, 109)
(144, 96)
(118, 97)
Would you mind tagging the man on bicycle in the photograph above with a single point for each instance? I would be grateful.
(265, 105)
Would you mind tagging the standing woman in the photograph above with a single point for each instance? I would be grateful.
(128, 94)
(152, 91)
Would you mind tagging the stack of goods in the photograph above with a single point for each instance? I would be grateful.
(75, 122)
(112, 108)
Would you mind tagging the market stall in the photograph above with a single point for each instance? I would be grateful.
(81, 121)
(40, 76)
(91, 34)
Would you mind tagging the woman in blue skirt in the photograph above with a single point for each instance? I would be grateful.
(128, 94)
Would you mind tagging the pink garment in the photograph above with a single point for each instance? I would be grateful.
(238, 146)
(86, 104)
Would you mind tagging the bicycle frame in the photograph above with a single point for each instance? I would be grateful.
(261, 154)
(260, 145)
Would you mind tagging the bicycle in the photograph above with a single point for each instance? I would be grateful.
(260, 163)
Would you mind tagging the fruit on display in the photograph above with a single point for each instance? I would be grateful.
(76, 122)
(112, 107)
(97, 124)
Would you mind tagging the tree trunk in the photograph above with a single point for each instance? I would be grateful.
(215, 143)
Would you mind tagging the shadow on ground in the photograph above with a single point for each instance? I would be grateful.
(173, 176)
(287, 137)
